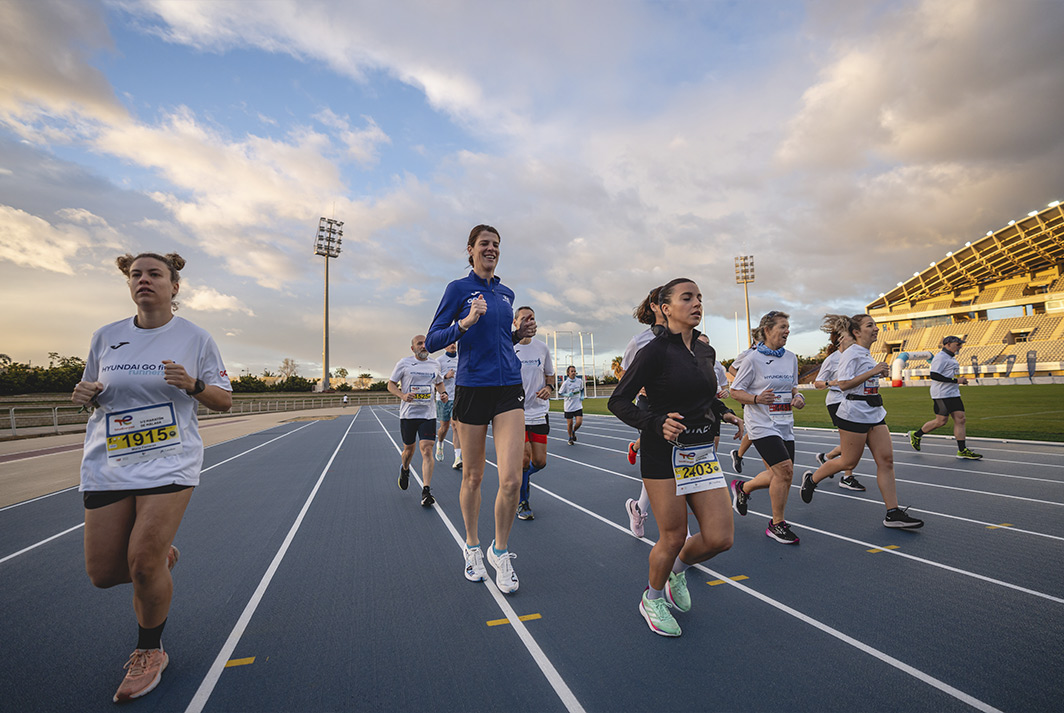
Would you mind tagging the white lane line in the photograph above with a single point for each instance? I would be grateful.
(549, 671)
(206, 687)
(859, 645)
(49, 539)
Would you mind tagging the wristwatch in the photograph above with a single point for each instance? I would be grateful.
(200, 386)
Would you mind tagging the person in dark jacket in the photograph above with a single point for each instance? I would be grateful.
(678, 464)
(477, 312)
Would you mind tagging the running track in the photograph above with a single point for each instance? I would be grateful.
(309, 582)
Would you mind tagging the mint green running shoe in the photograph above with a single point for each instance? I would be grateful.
(676, 591)
(658, 617)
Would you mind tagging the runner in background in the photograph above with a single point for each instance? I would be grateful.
(737, 453)
(946, 383)
(144, 378)
(537, 377)
(573, 389)
(836, 326)
(413, 381)
(448, 367)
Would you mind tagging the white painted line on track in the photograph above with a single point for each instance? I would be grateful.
(206, 687)
(549, 671)
(34, 546)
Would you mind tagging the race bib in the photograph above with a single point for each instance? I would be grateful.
(781, 410)
(139, 434)
(421, 392)
(871, 386)
(696, 469)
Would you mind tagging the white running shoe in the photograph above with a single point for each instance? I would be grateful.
(457, 462)
(505, 577)
(474, 564)
(636, 517)
(439, 451)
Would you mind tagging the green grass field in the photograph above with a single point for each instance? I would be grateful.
(1033, 412)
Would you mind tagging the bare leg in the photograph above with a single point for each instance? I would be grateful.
(472, 474)
(158, 517)
(509, 431)
(883, 452)
(427, 461)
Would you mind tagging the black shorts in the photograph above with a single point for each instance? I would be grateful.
(411, 428)
(574, 414)
(944, 407)
(537, 432)
(774, 450)
(101, 498)
(833, 410)
(478, 405)
(856, 426)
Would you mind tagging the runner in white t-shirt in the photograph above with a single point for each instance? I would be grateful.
(861, 421)
(414, 380)
(145, 378)
(537, 377)
(836, 327)
(946, 383)
(573, 390)
(737, 453)
(767, 386)
(449, 368)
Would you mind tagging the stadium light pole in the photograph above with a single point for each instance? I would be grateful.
(327, 244)
(744, 275)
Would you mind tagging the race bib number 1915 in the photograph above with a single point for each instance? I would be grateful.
(140, 434)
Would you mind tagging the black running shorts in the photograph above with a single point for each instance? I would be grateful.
(412, 428)
(101, 498)
(833, 410)
(478, 405)
(774, 450)
(856, 426)
(574, 414)
(944, 407)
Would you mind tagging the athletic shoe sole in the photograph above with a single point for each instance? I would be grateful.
(404, 479)
(851, 486)
(736, 505)
(777, 538)
(150, 687)
(901, 525)
(493, 560)
(427, 500)
(808, 486)
(656, 630)
(821, 458)
(737, 461)
(635, 518)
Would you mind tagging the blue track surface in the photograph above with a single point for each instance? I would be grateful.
(300, 552)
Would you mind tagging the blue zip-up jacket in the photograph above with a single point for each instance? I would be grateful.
(486, 354)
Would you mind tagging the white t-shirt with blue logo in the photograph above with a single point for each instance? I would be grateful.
(145, 432)
(418, 378)
(448, 363)
(536, 366)
(759, 372)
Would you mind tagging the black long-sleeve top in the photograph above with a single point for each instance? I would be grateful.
(676, 380)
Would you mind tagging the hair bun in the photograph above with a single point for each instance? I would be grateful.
(176, 260)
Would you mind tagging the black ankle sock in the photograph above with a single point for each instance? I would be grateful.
(920, 433)
(960, 445)
(150, 638)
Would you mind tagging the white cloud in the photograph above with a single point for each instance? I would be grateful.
(208, 299)
(32, 242)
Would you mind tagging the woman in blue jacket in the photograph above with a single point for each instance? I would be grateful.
(477, 313)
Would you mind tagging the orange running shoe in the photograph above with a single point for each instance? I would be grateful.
(632, 453)
(144, 670)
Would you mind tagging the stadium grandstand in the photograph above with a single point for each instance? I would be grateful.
(1003, 294)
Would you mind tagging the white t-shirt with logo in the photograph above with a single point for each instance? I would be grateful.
(857, 360)
(722, 378)
(634, 345)
(536, 366)
(829, 371)
(759, 372)
(573, 391)
(145, 432)
(946, 364)
(448, 363)
(418, 378)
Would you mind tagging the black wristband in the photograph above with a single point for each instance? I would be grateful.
(198, 388)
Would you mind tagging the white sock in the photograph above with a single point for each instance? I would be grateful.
(654, 593)
(644, 500)
(457, 452)
(678, 566)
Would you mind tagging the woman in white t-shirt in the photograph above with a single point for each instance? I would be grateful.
(145, 377)
(861, 421)
(836, 326)
(767, 386)
(737, 454)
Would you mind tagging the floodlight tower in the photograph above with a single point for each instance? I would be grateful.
(744, 275)
(327, 244)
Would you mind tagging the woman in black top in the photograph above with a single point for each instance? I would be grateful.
(676, 369)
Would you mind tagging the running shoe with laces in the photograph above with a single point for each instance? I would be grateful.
(821, 458)
(474, 564)
(657, 615)
(896, 517)
(808, 486)
(636, 517)
(968, 454)
(505, 577)
(739, 498)
(404, 478)
(676, 592)
(439, 451)
(457, 465)
(914, 440)
(737, 461)
(574, 438)
(172, 557)
(426, 497)
(571, 440)
(632, 453)
(781, 532)
(849, 482)
(144, 670)
(524, 512)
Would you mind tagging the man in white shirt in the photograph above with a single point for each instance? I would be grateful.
(537, 376)
(448, 367)
(946, 385)
(413, 381)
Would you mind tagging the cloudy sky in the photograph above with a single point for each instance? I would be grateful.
(615, 145)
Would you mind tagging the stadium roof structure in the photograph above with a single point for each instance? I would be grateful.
(1022, 246)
